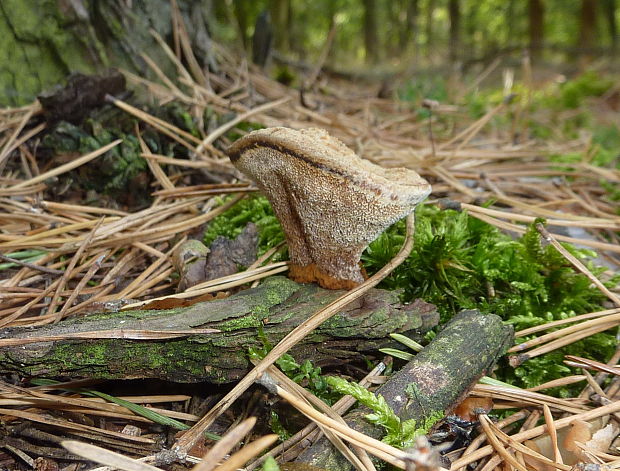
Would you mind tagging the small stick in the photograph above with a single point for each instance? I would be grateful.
(32, 266)
(521, 229)
(592, 223)
(569, 320)
(516, 360)
(154, 166)
(553, 434)
(577, 264)
(592, 364)
(223, 447)
(495, 442)
(104, 456)
(554, 383)
(104, 291)
(251, 450)
(68, 271)
(85, 279)
(563, 332)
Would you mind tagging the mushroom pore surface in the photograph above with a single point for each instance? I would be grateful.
(330, 202)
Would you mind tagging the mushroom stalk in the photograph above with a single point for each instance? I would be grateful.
(330, 202)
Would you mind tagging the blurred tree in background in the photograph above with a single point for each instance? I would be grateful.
(43, 40)
(432, 31)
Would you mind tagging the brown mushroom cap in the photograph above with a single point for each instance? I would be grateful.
(331, 203)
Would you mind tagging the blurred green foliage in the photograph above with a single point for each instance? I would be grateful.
(407, 35)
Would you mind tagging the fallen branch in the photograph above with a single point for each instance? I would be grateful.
(434, 380)
(209, 341)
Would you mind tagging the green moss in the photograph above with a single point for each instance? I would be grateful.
(44, 46)
(459, 262)
(173, 359)
(400, 434)
(245, 322)
(122, 170)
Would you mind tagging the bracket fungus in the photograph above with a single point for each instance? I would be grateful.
(331, 203)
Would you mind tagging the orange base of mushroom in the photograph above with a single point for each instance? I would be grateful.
(312, 273)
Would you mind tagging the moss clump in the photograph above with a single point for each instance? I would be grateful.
(460, 262)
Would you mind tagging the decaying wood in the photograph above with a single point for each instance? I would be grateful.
(267, 312)
(434, 380)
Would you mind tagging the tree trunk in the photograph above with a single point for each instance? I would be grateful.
(435, 380)
(471, 27)
(510, 22)
(241, 14)
(115, 345)
(87, 36)
(371, 38)
(280, 17)
(430, 11)
(455, 27)
(536, 16)
(391, 40)
(587, 30)
(610, 17)
(612, 25)
(409, 33)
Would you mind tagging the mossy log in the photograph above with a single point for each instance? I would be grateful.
(247, 319)
(434, 380)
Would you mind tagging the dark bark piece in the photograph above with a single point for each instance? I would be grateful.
(434, 380)
(227, 255)
(275, 308)
(82, 93)
(197, 263)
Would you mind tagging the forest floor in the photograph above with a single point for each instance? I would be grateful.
(95, 201)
